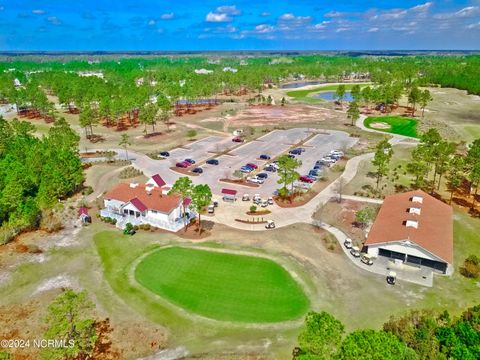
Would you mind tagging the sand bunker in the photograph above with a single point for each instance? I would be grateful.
(380, 125)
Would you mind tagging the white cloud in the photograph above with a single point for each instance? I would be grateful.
(228, 9)
(2, 8)
(38, 12)
(264, 28)
(151, 22)
(373, 29)
(265, 14)
(321, 25)
(167, 16)
(473, 26)
(333, 14)
(54, 20)
(466, 12)
(223, 14)
(215, 17)
(422, 7)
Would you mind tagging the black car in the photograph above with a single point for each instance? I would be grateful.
(191, 161)
(295, 152)
(270, 168)
(291, 156)
(212, 161)
(197, 170)
(165, 154)
(262, 175)
(264, 157)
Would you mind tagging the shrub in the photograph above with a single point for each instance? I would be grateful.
(471, 267)
(87, 190)
(129, 172)
(253, 208)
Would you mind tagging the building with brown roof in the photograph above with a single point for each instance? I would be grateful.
(415, 228)
(146, 204)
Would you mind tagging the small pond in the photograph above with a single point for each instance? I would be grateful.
(330, 96)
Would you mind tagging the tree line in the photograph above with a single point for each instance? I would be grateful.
(35, 173)
(416, 335)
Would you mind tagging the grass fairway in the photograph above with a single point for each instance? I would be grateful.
(398, 125)
(223, 286)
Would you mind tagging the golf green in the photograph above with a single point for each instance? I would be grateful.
(397, 125)
(223, 286)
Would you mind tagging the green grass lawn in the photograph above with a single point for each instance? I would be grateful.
(223, 286)
(398, 125)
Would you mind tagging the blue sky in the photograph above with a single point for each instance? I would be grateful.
(238, 24)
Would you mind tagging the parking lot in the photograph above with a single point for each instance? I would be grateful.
(275, 143)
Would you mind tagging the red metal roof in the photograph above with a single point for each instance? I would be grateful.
(138, 204)
(158, 180)
(229, 191)
(82, 211)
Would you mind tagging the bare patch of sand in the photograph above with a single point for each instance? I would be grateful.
(380, 125)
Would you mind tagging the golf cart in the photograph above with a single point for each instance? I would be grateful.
(270, 225)
(391, 277)
(355, 251)
(246, 197)
(348, 243)
(129, 229)
(366, 259)
(211, 209)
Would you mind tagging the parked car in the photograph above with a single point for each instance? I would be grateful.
(256, 180)
(237, 139)
(320, 163)
(305, 179)
(275, 165)
(262, 175)
(313, 172)
(197, 170)
(211, 209)
(337, 152)
(366, 259)
(264, 203)
(291, 156)
(348, 243)
(329, 160)
(246, 197)
(212, 161)
(317, 167)
(264, 157)
(215, 203)
(311, 177)
(253, 166)
(270, 225)
(355, 251)
(301, 149)
(182, 164)
(246, 169)
(270, 168)
(191, 161)
(165, 154)
(270, 201)
(295, 152)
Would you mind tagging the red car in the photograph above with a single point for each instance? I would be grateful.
(305, 179)
(253, 166)
(183, 164)
(237, 139)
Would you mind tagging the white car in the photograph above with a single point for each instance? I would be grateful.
(246, 197)
(270, 201)
(256, 180)
(337, 152)
(264, 203)
(348, 243)
(329, 160)
(275, 165)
